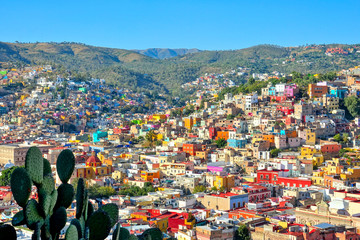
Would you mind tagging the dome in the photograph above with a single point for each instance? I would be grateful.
(8, 165)
(93, 160)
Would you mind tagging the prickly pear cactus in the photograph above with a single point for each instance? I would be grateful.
(47, 216)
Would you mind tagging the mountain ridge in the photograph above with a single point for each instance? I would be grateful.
(131, 69)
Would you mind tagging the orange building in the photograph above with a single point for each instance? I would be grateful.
(192, 148)
(150, 175)
(291, 133)
(269, 138)
(223, 135)
(190, 122)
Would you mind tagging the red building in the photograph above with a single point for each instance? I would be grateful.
(293, 182)
(212, 132)
(284, 109)
(278, 98)
(268, 176)
(290, 120)
(330, 148)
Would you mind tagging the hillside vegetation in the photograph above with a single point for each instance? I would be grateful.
(163, 53)
(131, 69)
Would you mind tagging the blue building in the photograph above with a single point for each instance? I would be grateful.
(272, 91)
(339, 92)
(97, 135)
(237, 143)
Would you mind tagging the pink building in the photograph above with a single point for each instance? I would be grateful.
(291, 90)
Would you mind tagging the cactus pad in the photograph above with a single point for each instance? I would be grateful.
(58, 220)
(48, 184)
(20, 186)
(7, 232)
(113, 211)
(66, 195)
(33, 214)
(46, 201)
(78, 226)
(47, 167)
(152, 233)
(99, 225)
(18, 219)
(54, 196)
(71, 233)
(90, 209)
(37, 232)
(65, 165)
(120, 233)
(34, 164)
(80, 196)
(133, 237)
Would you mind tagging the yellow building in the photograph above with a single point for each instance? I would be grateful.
(318, 159)
(225, 182)
(118, 175)
(158, 117)
(318, 178)
(351, 174)
(190, 122)
(333, 167)
(310, 137)
(161, 223)
(93, 169)
(309, 151)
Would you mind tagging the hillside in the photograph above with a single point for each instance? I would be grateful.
(164, 53)
(132, 69)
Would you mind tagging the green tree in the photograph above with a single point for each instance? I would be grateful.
(251, 80)
(62, 94)
(343, 152)
(345, 138)
(275, 152)
(230, 116)
(338, 137)
(243, 233)
(96, 191)
(221, 143)
(353, 105)
(199, 188)
(6, 175)
(150, 137)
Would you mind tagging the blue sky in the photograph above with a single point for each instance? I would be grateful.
(203, 24)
